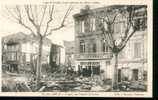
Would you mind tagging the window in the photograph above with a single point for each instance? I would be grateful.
(117, 27)
(92, 24)
(82, 46)
(77, 26)
(137, 50)
(122, 54)
(107, 63)
(12, 47)
(105, 48)
(82, 27)
(141, 23)
(105, 26)
(137, 23)
(11, 56)
(88, 24)
(125, 74)
(5, 47)
(96, 70)
(98, 22)
(94, 47)
(93, 28)
(122, 27)
(144, 23)
(135, 75)
(23, 58)
(28, 57)
(9, 48)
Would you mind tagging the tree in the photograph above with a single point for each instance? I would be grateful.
(53, 57)
(118, 41)
(38, 19)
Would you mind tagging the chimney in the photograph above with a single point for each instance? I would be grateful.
(85, 10)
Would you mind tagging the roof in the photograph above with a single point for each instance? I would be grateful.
(84, 12)
(16, 38)
(57, 45)
(21, 37)
(67, 42)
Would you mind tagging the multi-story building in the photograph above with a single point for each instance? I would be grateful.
(55, 58)
(20, 52)
(91, 52)
(93, 55)
(133, 58)
(69, 53)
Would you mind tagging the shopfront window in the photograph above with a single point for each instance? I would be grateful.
(82, 46)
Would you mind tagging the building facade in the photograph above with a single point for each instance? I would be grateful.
(92, 54)
(69, 53)
(20, 52)
(55, 56)
(133, 58)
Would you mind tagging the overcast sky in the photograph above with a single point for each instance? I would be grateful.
(8, 26)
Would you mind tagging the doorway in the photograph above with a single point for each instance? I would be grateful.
(119, 75)
(135, 74)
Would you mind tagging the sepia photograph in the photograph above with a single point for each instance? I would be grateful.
(85, 48)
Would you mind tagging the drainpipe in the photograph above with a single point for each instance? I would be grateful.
(59, 56)
(91, 71)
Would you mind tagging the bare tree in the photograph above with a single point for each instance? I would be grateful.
(38, 19)
(117, 42)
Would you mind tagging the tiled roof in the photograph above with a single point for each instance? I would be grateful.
(21, 37)
(16, 38)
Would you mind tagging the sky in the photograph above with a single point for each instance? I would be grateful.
(8, 26)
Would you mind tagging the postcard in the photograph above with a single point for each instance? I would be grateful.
(76, 48)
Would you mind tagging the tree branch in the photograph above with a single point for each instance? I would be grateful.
(27, 9)
(50, 19)
(109, 28)
(108, 20)
(107, 42)
(31, 11)
(126, 40)
(130, 24)
(105, 33)
(110, 32)
(114, 19)
(12, 15)
(62, 23)
(27, 27)
(54, 29)
(44, 11)
(20, 21)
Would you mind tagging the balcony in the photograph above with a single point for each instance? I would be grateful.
(10, 56)
(102, 55)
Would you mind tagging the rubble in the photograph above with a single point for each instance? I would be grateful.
(138, 85)
(97, 88)
(56, 82)
(62, 82)
(132, 86)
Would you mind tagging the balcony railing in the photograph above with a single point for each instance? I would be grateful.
(10, 55)
(102, 55)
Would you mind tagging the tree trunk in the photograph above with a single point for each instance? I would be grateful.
(115, 73)
(39, 62)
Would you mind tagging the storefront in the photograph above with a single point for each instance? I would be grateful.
(88, 69)
(132, 72)
(12, 66)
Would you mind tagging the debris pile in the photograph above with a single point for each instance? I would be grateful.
(132, 86)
